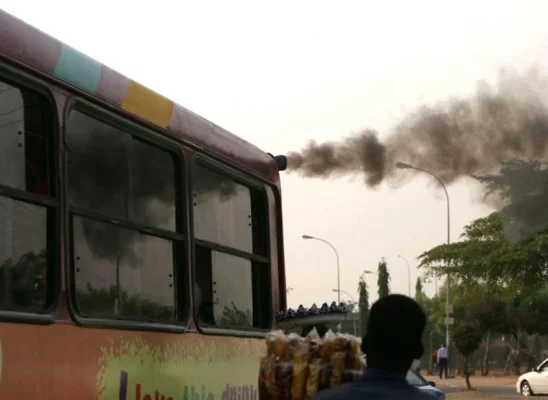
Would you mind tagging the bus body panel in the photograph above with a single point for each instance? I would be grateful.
(41, 53)
(61, 361)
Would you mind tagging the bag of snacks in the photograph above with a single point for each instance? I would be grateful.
(296, 368)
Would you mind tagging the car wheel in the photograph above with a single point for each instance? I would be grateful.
(526, 389)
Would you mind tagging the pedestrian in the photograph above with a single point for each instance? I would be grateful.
(434, 361)
(443, 355)
(392, 342)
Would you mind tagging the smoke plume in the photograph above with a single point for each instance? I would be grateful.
(454, 139)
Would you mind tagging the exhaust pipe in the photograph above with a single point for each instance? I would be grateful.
(281, 161)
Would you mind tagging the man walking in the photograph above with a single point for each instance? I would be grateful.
(443, 355)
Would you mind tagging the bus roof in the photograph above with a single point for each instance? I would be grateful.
(42, 53)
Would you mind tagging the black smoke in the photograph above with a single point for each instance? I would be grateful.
(456, 138)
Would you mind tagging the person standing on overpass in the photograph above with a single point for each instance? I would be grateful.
(443, 355)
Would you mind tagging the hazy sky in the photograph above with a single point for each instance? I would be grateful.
(279, 74)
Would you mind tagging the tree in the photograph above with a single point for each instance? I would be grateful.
(522, 185)
(419, 294)
(363, 304)
(383, 281)
(484, 255)
(467, 337)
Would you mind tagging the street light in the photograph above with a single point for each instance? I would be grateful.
(346, 293)
(408, 274)
(308, 237)
(353, 302)
(367, 272)
(401, 165)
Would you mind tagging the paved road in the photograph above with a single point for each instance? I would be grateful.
(494, 390)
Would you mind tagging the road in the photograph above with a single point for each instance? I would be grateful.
(502, 387)
(499, 390)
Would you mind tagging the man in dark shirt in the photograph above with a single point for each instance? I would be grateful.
(392, 342)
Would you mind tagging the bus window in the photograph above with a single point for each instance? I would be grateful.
(25, 133)
(231, 255)
(122, 198)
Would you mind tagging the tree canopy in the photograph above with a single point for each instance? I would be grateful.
(383, 281)
(498, 268)
(363, 304)
(485, 255)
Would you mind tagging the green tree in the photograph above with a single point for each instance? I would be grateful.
(383, 281)
(484, 255)
(467, 337)
(363, 304)
(419, 294)
(522, 185)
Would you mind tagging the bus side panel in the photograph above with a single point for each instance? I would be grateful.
(67, 362)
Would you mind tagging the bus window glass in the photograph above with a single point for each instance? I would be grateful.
(232, 290)
(113, 173)
(231, 259)
(23, 144)
(124, 264)
(152, 186)
(23, 255)
(120, 273)
(24, 162)
(97, 165)
(222, 212)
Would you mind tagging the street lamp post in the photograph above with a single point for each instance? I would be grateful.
(408, 274)
(448, 299)
(367, 272)
(353, 302)
(308, 237)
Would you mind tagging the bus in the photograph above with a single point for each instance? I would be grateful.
(141, 246)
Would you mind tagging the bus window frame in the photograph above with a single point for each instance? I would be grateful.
(249, 181)
(52, 203)
(180, 237)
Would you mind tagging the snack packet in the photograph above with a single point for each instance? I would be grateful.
(326, 346)
(300, 356)
(284, 377)
(355, 360)
(278, 344)
(313, 381)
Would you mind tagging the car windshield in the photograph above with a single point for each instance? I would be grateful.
(414, 379)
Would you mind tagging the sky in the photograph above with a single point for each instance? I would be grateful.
(279, 74)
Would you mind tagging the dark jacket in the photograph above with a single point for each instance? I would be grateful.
(375, 385)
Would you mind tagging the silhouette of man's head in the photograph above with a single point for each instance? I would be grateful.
(394, 332)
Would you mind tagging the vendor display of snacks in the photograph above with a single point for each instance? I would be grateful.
(296, 368)
(301, 312)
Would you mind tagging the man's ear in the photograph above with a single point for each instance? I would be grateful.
(418, 350)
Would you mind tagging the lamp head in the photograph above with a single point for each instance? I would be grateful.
(401, 165)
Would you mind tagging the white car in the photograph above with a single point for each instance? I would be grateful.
(535, 381)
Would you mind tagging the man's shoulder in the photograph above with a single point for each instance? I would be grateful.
(371, 390)
(337, 392)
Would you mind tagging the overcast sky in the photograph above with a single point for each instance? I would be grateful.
(281, 73)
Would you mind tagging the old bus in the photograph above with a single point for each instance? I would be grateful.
(141, 246)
